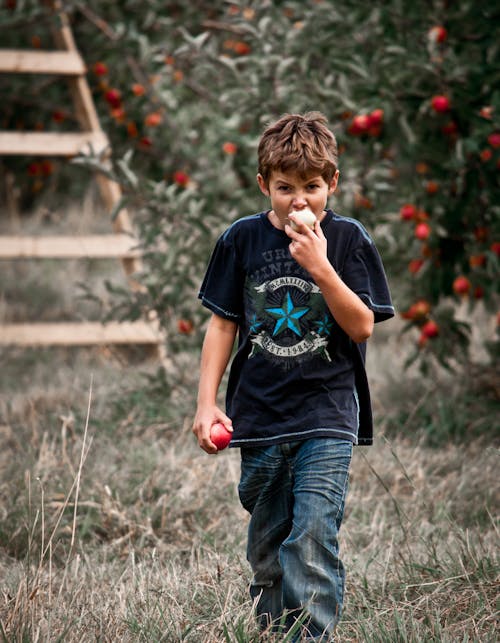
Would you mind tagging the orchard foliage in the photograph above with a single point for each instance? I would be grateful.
(184, 90)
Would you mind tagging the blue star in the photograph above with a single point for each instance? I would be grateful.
(255, 324)
(325, 325)
(287, 316)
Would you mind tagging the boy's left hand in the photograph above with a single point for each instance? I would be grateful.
(308, 247)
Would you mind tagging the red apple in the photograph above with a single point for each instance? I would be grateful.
(113, 97)
(138, 89)
(408, 211)
(486, 112)
(47, 167)
(220, 436)
(229, 148)
(431, 187)
(145, 142)
(450, 128)
(241, 48)
(181, 178)
(422, 231)
(376, 117)
(438, 34)
(494, 139)
(422, 168)
(419, 310)
(422, 216)
(478, 292)
(476, 261)
(100, 69)
(58, 116)
(185, 326)
(440, 104)
(486, 155)
(34, 169)
(359, 124)
(461, 285)
(132, 130)
(430, 329)
(415, 265)
(153, 119)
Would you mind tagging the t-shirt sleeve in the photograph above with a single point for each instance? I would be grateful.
(364, 273)
(223, 284)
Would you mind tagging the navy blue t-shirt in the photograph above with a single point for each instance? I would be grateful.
(296, 373)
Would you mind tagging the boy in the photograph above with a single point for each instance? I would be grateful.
(303, 302)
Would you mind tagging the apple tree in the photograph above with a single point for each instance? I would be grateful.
(184, 90)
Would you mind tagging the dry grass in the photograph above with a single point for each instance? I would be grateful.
(159, 536)
(114, 526)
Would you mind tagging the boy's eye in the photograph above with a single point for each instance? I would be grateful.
(283, 188)
(312, 186)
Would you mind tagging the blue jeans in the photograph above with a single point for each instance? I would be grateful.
(295, 493)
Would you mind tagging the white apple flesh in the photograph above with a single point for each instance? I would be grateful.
(305, 216)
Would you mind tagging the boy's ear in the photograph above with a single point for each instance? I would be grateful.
(262, 185)
(333, 183)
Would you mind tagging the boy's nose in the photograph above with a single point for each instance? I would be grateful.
(299, 201)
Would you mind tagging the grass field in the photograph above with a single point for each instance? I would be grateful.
(114, 526)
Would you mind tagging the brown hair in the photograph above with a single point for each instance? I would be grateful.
(298, 143)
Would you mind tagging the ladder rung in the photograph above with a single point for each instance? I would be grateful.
(79, 333)
(65, 247)
(27, 61)
(51, 143)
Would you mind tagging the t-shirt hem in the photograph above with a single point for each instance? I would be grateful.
(295, 436)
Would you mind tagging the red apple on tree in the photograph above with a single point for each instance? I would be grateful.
(408, 212)
(422, 231)
(438, 34)
(415, 265)
(181, 178)
(100, 69)
(376, 117)
(430, 329)
(220, 436)
(440, 103)
(185, 326)
(113, 97)
(494, 139)
(461, 285)
(229, 148)
(359, 125)
(153, 119)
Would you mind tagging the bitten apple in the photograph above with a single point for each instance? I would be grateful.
(305, 216)
(220, 436)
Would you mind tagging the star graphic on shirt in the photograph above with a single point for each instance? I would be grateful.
(287, 316)
(324, 325)
(255, 324)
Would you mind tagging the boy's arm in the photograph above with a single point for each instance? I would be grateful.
(215, 355)
(308, 248)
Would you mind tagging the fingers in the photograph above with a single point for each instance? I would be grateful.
(226, 421)
(319, 230)
(202, 433)
(202, 426)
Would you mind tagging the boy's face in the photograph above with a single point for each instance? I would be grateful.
(289, 191)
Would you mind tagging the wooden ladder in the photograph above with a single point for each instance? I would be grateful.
(66, 62)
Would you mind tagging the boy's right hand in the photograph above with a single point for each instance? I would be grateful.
(202, 424)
